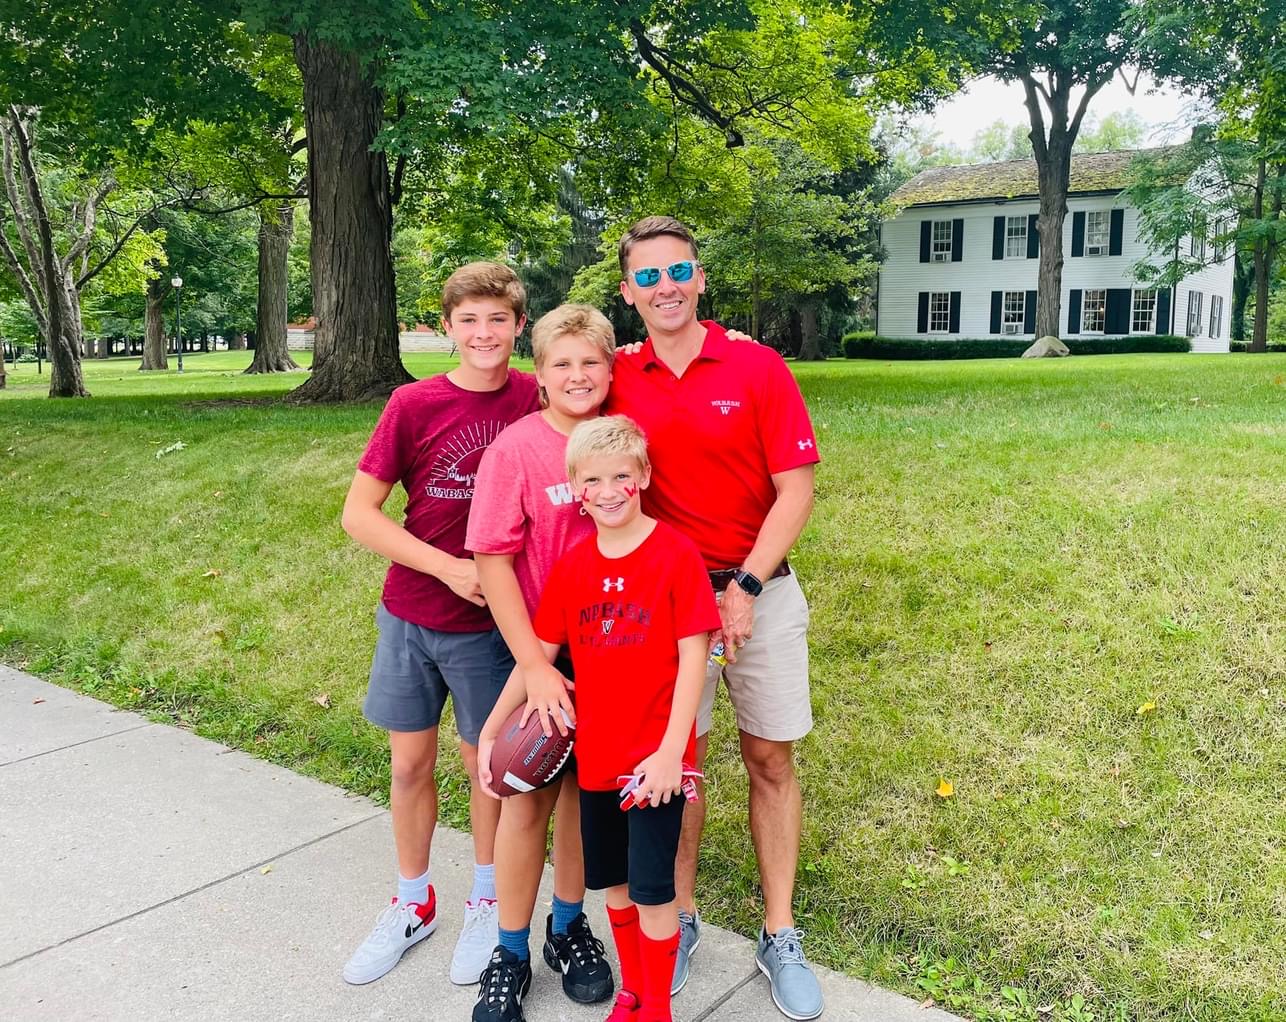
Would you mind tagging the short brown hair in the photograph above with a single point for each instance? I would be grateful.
(608, 434)
(653, 227)
(574, 321)
(484, 280)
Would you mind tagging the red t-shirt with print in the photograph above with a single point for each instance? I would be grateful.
(621, 619)
(430, 438)
(716, 436)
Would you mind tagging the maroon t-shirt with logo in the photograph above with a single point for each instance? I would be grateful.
(430, 438)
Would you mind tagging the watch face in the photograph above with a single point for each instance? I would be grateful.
(749, 583)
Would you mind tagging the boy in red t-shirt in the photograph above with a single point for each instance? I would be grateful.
(635, 608)
(436, 635)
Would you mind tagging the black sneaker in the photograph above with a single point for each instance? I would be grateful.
(578, 955)
(505, 982)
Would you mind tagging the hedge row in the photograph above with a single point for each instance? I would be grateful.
(1272, 345)
(867, 345)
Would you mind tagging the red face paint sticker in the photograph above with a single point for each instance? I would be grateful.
(630, 489)
(584, 495)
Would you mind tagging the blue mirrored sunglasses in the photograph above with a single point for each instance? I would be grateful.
(650, 276)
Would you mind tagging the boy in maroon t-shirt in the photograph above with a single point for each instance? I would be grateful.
(634, 606)
(436, 635)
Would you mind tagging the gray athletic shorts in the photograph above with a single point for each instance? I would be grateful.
(415, 667)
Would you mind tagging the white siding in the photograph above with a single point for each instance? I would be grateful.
(902, 275)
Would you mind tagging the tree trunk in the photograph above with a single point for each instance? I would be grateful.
(355, 349)
(1259, 336)
(276, 226)
(1054, 173)
(154, 320)
(1242, 278)
(810, 345)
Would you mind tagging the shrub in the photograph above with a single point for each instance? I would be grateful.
(1274, 344)
(867, 346)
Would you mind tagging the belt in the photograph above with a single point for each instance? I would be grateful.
(721, 578)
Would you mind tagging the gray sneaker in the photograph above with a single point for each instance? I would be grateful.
(689, 938)
(795, 989)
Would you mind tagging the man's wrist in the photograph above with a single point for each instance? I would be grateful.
(747, 582)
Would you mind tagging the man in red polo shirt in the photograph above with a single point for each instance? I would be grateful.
(733, 455)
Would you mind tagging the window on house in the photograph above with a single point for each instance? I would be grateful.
(939, 312)
(1216, 315)
(1016, 237)
(1015, 312)
(1197, 242)
(1098, 227)
(941, 252)
(1220, 241)
(1143, 315)
(1093, 312)
(1194, 313)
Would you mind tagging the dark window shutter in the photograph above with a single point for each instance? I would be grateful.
(957, 240)
(996, 299)
(922, 314)
(1163, 311)
(1116, 232)
(1118, 311)
(1074, 311)
(926, 234)
(954, 325)
(1029, 313)
(1033, 237)
(998, 237)
(1078, 234)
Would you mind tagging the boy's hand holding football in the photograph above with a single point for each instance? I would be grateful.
(547, 691)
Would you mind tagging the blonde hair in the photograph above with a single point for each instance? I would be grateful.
(484, 280)
(573, 321)
(608, 434)
(653, 227)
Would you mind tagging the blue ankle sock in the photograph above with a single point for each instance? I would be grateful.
(517, 942)
(565, 912)
(484, 884)
(416, 890)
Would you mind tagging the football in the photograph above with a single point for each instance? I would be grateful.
(524, 759)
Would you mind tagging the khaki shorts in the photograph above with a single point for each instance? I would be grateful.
(768, 685)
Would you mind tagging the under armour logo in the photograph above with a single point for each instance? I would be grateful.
(607, 626)
(804, 444)
(618, 585)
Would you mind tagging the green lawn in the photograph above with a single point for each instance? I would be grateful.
(1009, 563)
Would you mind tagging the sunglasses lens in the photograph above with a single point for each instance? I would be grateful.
(680, 272)
(648, 276)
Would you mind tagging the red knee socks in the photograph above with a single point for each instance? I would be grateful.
(658, 972)
(626, 934)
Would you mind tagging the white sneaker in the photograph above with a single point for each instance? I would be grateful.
(396, 929)
(479, 935)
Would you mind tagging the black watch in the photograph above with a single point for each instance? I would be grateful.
(748, 582)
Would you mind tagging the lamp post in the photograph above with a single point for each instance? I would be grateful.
(176, 282)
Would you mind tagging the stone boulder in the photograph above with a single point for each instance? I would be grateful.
(1047, 347)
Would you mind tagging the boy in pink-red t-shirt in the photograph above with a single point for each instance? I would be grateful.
(524, 516)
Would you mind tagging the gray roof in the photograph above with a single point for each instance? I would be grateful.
(1015, 179)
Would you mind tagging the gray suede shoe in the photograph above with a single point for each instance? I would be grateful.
(795, 989)
(689, 938)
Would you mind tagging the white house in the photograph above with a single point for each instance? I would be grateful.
(961, 259)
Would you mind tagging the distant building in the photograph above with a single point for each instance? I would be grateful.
(299, 337)
(962, 256)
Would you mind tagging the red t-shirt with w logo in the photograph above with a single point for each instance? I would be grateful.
(622, 619)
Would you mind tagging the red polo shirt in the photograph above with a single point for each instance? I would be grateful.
(716, 436)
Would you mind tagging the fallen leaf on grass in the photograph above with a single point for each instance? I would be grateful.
(1279, 380)
(987, 645)
(1207, 934)
(212, 573)
(103, 514)
(323, 700)
(178, 445)
(928, 1002)
(1105, 425)
(1146, 708)
(945, 788)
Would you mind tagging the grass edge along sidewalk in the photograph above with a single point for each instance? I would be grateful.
(1054, 586)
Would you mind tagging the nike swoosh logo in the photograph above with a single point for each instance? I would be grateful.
(411, 931)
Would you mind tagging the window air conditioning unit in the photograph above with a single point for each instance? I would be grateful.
(941, 257)
(1096, 250)
(1012, 328)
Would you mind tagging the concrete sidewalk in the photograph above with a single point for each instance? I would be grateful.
(146, 873)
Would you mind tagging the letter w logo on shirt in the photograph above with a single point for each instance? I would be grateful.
(560, 494)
